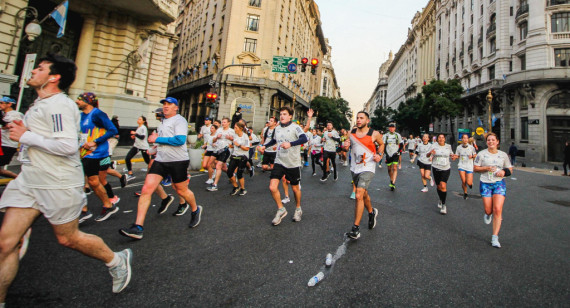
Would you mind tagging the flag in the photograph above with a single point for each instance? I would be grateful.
(479, 120)
(59, 14)
(493, 119)
(424, 82)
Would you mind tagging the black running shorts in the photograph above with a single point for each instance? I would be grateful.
(268, 158)
(178, 170)
(293, 175)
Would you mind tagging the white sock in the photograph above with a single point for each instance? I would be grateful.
(116, 260)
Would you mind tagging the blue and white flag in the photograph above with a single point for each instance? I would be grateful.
(493, 120)
(479, 121)
(60, 17)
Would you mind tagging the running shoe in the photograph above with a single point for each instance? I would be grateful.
(134, 231)
(443, 210)
(298, 214)
(281, 213)
(425, 189)
(106, 212)
(130, 177)
(182, 208)
(196, 217)
(325, 177)
(488, 218)
(335, 177)
(354, 233)
(123, 181)
(214, 187)
(431, 181)
(353, 196)
(392, 187)
(122, 273)
(372, 218)
(234, 191)
(167, 181)
(24, 242)
(87, 191)
(465, 196)
(165, 203)
(345, 163)
(85, 215)
(286, 200)
(314, 173)
(115, 200)
(251, 172)
(242, 192)
(210, 181)
(306, 164)
(137, 193)
(495, 241)
(439, 205)
(380, 165)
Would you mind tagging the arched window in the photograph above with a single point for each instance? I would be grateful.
(560, 101)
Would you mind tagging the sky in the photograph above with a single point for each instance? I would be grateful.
(361, 34)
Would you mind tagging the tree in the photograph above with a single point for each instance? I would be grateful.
(336, 111)
(381, 118)
(442, 98)
(410, 115)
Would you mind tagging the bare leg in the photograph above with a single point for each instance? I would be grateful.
(7, 173)
(186, 194)
(274, 189)
(151, 182)
(297, 193)
(285, 187)
(99, 190)
(463, 181)
(359, 207)
(498, 201)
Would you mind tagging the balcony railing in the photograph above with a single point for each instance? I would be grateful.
(557, 2)
(491, 30)
(480, 41)
(461, 54)
(561, 35)
(522, 10)
(470, 48)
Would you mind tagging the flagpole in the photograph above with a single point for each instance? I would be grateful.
(49, 15)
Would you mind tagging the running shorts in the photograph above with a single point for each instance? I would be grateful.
(466, 171)
(363, 179)
(268, 158)
(390, 160)
(490, 189)
(328, 155)
(424, 166)
(8, 154)
(293, 175)
(92, 166)
(209, 153)
(440, 175)
(223, 155)
(178, 170)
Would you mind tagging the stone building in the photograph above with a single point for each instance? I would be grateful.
(216, 33)
(329, 84)
(378, 99)
(123, 51)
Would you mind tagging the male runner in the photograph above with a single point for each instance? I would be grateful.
(9, 147)
(288, 137)
(51, 180)
(268, 152)
(96, 129)
(330, 139)
(363, 167)
(171, 160)
(394, 143)
(223, 139)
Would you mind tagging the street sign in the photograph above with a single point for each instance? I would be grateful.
(265, 64)
(479, 130)
(287, 65)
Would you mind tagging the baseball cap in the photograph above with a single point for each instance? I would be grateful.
(170, 100)
(207, 119)
(392, 124)
(8, 99)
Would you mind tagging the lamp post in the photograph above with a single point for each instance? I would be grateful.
(32, 30)
(490, 108)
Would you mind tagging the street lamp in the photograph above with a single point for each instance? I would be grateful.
(490, 107)
(32, 30)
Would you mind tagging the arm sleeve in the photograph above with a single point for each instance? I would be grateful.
(177, 140)
(302, 139)
(141, 137)
(55, 146)
(101, 119)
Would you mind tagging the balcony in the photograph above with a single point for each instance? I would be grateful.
(470, 48)
(491, 31)
(163, 10)
(521, 11)
(557, 2)
(461, 54)
(480, 41)
(560, 35)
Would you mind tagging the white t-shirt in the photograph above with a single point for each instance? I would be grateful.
(54, 117)
(9, 117)
(422, 150)
(224, 142)
(315, 143)
(205, 131)
(173, 126)
(141, 144)
(291, 157)
(485, 158)
(465, 163)
(210, 145)
(242, 141)
(411, 144)
(441, 157)
(392, 142)
(329, 144)
(309, 137)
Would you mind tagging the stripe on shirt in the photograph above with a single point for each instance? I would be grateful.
(57, 123)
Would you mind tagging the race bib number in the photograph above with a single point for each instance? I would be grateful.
(83, 138)
(441, 161)
(23, 154)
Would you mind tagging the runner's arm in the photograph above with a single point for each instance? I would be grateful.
(101, 119)
(55, 146)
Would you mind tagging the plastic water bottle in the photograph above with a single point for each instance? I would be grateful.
(316, 279)
(328, 260)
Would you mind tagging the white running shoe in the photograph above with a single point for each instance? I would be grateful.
(281, 213)
(298, 214)
(488, 218)
(285, 200)
(209, 181)
(431, 181)
(443, 210)
(425, 189)
(495, 241)
(439, 205)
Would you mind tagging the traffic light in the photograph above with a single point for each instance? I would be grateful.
(314, 65)
(304, 62)
(211, 99)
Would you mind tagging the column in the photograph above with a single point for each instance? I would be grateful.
(84, 53)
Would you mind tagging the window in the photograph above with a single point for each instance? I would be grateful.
(511, 11)
(524, 128)
(252, 23)
(523, 28)
(325, 86)
(492, 45)
(250, 45)
(523, 62)
(510, 66)
(256, 3)
(561, 57)
(512, 40)
(560, 22)
(491, 72)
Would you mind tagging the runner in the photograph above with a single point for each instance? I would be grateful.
(238, 160)
(205, 129)
(424, 162)
(171, 159)
(412, 147)
(209, 157)
(440, 153)
(466, 153)
(223, 139)
(288, 137)
(494, 166)
(141, 145)
(364, 157)
(268, 152)
(394, 144)
(330, 139)
(9, 147)
(96, 128)
(51, 181)
(315, 145)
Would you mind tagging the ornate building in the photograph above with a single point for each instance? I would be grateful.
(217, 33)
(329, 85)
(379, 95)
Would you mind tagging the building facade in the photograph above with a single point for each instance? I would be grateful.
(329, 84)
(398, 81)
(214, 34)
(379, 95)
(123, 51)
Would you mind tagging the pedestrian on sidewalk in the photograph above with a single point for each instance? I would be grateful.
(141, 145)
(9, 147)
(566, 157)
(513, 150)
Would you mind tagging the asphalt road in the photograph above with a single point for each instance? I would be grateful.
(235, 257)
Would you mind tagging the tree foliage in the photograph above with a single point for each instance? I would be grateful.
(381, 117)
(334, 110)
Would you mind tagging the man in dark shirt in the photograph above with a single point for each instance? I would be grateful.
(513, 150)
(566, 157)
(236, 117)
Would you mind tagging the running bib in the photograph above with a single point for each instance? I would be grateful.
(441, 161)
(23, 154)
(464, 158)
(83, 138)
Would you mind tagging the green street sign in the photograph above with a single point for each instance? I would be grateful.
(286, 65)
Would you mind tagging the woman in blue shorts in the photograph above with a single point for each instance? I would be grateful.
(494, 165)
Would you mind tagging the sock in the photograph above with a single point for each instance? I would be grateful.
(439, 193)
(470, 186)
(116, 260)
(355, 227)
(443, 196)
(109, 190)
